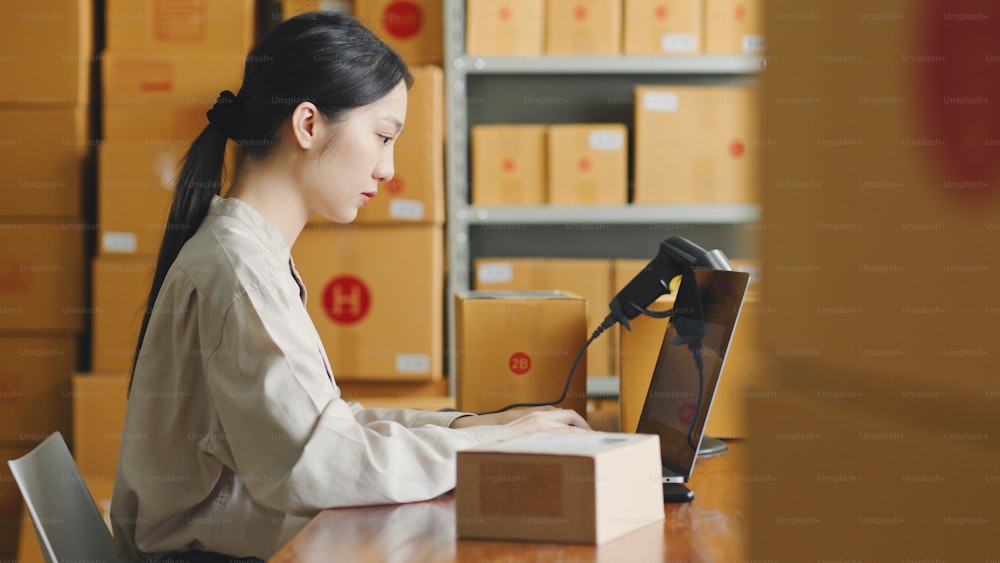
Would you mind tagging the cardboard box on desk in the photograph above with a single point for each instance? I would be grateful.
(416, 192)
(583, 27)
(509, 165)
(120, 289)
(47, 48)
(412, 28)
(35, 386)
(212, 25)
(42, 277)
(582, 488)
(655, 27)
(99, 403)
(695, 144)
(505, 27)
(375, 296)
(734, 26)
(588, 278)
(44, 154)
(588, 164)
(519, 347)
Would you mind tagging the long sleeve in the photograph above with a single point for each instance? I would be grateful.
(297, 446)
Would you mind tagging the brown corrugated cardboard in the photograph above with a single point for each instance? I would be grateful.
(135, 187)
(508, 165)
(662, 27)
(291, 8)
(167, 125)
(583, 27)
(35, 387)
(46, 48)
(99, 402)
(416, 192)
(695, 144)
(190, 76)
(734, 26)
(543, 331)
(505, 27)
(376, 298)
(588, 278)
(120, 289)
(44, 155)
(213, 25)
(42, 277)
(560, 487)
(413, 28)
(588, 164)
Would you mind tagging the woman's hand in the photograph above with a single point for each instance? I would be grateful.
(527, 421)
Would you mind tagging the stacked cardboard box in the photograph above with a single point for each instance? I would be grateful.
(45, 154)
(413, 28)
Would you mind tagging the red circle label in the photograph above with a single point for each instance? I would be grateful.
(508, 164)
(662, 12)
(737, 148)
(346, 300)
(685, 414)
(519, 363)
(583, 164)
(580, 13)
(740, 12)
(403, 19)
(504, 12)
(395, 186)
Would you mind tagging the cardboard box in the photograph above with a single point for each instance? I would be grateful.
(505, 27)
(120, 291)
(663, 27)
(51, 35)
(291, 8)
(416, 192)
(880, 190)
(587, 278)
(543, 331)
(695, 144)
(11, 503)
(135, 188)
(35, 387)
(99, 403)
(583, 27)
(376, 298)
(734, 26)
(508, 165)
(135, 76)
(44, 155)
(42, 277)
(413, 28)
(167, 125)
(582, 488)
(212, 25)
(359, 390)
(588, 164)
(28, 550)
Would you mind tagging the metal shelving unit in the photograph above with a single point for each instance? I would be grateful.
(566, 89)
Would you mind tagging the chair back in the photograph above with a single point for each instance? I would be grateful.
(67, 522)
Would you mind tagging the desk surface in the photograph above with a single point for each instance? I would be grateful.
(711, 528)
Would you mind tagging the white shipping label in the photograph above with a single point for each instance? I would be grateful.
(606, 140)
(409, 209)
(113, 241)
(679, 43)
(753, 43)
(413, 363)
(660, 101)
(498, 272)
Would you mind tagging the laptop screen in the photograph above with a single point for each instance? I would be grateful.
(690, 362)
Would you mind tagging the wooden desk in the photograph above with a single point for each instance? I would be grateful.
(711, 528)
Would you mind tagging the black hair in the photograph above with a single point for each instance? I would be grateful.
(325, 58)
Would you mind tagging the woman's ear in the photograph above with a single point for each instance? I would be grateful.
(306, 125)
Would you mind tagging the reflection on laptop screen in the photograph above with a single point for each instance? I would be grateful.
(680, 394)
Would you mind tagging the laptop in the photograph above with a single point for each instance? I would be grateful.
(689, 365)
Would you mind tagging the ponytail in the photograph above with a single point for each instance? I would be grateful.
(199, 181)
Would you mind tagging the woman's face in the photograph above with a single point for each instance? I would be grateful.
(359, 156)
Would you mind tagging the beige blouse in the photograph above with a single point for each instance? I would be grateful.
(236, 433)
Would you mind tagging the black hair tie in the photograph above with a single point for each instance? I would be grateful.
(226, 115)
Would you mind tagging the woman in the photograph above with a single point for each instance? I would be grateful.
(235, 432)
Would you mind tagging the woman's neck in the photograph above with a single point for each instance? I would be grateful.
(271, 191)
